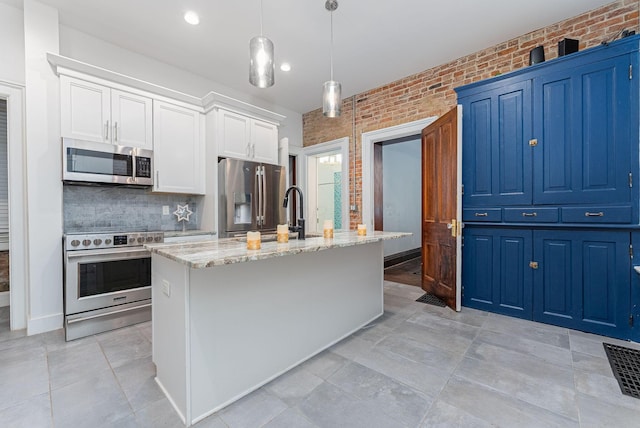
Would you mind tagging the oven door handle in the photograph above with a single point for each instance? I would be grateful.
(120, 252)
(90, 317)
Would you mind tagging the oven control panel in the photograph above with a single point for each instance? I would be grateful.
(92, 241)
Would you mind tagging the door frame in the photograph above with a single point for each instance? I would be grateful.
(368, 140)
(18, 251)
(340, 145)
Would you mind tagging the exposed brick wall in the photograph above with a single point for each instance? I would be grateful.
(4, 271)
(430, 93)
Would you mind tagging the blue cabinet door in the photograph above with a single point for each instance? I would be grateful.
(582, 123)
(583, 280)
(496, 157)
(496, 274)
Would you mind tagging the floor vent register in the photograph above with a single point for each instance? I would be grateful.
(625, 364)
(430, 299)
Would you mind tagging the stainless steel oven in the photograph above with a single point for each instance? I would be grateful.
(107, 281)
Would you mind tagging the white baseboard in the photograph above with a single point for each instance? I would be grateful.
(5, 299)
(44, 324)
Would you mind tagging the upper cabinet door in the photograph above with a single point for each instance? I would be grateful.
(583, 126)
(496, 153)
(242, 137)
(132, 118)
(93, 112)
(264, 142)
(84, 110)
(233, 135)
(179, 149)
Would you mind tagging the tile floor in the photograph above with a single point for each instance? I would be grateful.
(417, 366)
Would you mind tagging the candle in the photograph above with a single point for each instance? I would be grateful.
(328, 229)
(253, 240)
(362, 229)
(282, 233)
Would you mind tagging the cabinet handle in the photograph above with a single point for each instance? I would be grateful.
(248, 150)
(106, 130)
(529, 214)
(598, 214)
(157, 179)
(253, 150)
(533, 265)
(115, 131)
(482, 214)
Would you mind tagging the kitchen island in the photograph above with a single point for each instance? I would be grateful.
(227, 320)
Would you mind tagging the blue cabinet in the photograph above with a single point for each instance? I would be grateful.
(571, 278)
(496, 160)
(550, 167)
(583, 280)
(557, 134)
(495, 272)
(582, 126)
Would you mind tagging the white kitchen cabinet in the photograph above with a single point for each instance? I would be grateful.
(242, 137)
(178, 149)
(94, 112)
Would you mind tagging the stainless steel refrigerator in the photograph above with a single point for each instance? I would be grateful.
(250, 197)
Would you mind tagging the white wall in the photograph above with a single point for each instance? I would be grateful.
(43, 166)
(86, 48)
(402, 194)
(11, 44)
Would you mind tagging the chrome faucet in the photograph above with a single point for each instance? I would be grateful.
(300, 227)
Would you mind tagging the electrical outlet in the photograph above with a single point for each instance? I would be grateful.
(165, 210)
(166, 288)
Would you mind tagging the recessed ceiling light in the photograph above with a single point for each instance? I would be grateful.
(285, 66)
(192, 18)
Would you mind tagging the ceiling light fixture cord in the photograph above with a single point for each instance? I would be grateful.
(261, 13)
(331, 50)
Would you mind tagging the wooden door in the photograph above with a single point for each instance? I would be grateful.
(441, 208)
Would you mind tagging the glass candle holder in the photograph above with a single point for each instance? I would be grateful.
(327, 230)
(282, 233)
(253, 240)
(362, 229)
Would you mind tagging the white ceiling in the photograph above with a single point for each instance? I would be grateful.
(375, 42)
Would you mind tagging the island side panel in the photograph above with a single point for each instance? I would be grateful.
(170, 334)
(251, 322)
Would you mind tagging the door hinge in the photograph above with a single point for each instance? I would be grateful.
(630, 71)
(533, 142)
(630, 320)
(462, 191)
(630, 179)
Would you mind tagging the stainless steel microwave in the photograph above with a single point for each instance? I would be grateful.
(89, 162)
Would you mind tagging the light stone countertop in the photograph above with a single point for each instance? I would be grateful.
(218, 252)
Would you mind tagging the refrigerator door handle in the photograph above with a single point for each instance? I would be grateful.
(258, 205)
(264, 194)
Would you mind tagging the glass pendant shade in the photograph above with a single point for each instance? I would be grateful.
(332, 99)
(261, 62)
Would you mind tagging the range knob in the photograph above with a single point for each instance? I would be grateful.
(86, 242)
(149, 238)
(75, 243)
(107, 241)
(131, 239)
(97, 241)
(158, 239)
(140, 239)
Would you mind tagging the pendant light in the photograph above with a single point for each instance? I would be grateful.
(332, 90)
(261, 62)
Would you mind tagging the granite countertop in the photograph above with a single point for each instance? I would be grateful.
(218, 252)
